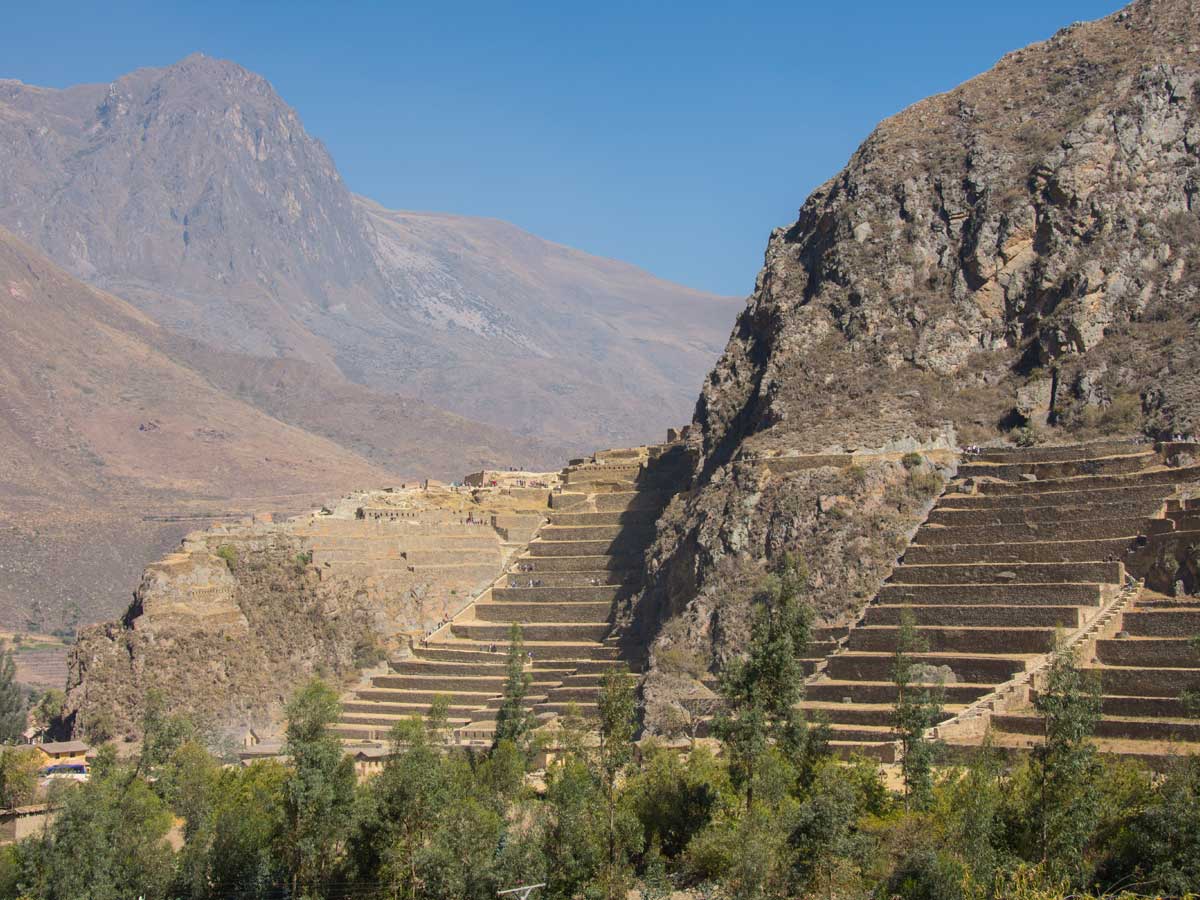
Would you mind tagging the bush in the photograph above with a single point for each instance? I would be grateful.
(927, 875)
(1025, 437)
(924, 484)
(228, 553)
(368, 651)
(911, 461)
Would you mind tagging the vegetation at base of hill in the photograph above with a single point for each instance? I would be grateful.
(768, 813)
(12, 701)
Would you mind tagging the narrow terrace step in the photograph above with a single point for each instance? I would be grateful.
(414, 668)
(621, 502)
(1076, 496)
(628, 579)
(407, 711)
(872, 692)
(1094, 450)
(594, 562)
(972, 669)
(629, 517)
(525, 613)
(958, 640)
(470, 684)
(1174, 623)
(418, 700)
(533, 631)
(1148, 653)
(867, 734)
(1042, 515)
(1047, 594)
(1017, 573)
(1022, 616)
(1076, 530)
(878, 714)
(1146, 681)
(1180, 475)
(640, 532)
(1137, 729)
(1064, 468)
(577, 653)
(539, 549)
(882, 751)
(603, 593)
(1044, 551)
(584, 710)
(1144, 707)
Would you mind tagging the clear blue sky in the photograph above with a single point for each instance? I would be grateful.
(671, 135)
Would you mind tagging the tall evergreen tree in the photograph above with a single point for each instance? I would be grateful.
(514, 721)
(1065, 765)
(12, 703)
(618, 719)
(762, 690)
(918, 708)
(319, 790)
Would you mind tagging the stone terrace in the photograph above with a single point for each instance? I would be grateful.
(1023, 544)
(562, 590)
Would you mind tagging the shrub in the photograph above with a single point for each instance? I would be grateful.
(1025, 437)
(228, 553)
(911, 461)
(924, 484)
(368, 651)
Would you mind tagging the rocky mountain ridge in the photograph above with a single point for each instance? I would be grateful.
(194, 192)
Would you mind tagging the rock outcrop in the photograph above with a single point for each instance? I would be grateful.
(1017, 257)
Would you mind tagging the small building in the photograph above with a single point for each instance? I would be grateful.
(63, 752)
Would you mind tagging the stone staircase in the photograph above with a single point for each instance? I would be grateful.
(1022, 545)
(1144, 660)
(562, 591)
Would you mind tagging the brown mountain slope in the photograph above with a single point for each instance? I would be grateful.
(593, 344)
(107, 419)
(1022, 252)
(194, 192)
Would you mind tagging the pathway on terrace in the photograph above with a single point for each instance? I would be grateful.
(1022, 543)
(562, 591)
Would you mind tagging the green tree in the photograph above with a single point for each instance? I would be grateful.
(163, 732)
(49, 708)
(618, 719)
(108, 840)
(18, 775)
(762, 690)
(248, 832)
(320, 788)
(514, 720)
(12, 703)
(918, 707)
(1165, 838)
(1064, 766)
(826, 838)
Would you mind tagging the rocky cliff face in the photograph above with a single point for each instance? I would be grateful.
(1022, 252)
(224, 638)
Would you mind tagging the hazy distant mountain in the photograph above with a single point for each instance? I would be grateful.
(194, 192)
(110, 423)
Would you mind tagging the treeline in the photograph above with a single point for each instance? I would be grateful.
(767, 812)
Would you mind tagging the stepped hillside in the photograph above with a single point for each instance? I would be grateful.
(229, 623)
(109, 430)
(195, 193)
(1017, 258)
